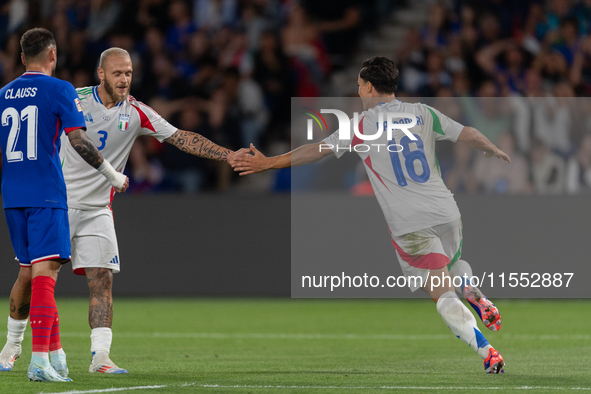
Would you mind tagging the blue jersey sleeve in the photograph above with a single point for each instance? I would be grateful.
(69, 109)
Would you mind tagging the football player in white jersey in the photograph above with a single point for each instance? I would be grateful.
(421, 212)
(114, 119)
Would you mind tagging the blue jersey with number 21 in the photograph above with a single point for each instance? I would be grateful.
(35, 110)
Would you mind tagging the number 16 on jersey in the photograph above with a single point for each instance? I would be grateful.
(410, 156)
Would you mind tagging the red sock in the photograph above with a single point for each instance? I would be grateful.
(54, 340)
(43, 312)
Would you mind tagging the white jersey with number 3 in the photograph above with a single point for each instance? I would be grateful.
(113, 131)
(407, 184)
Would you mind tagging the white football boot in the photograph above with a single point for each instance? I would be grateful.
(102, 363)
(8, 356)
(40, 370)
(58, 362)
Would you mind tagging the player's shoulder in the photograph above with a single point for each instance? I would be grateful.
(414, 108)
(84, 92)
(394, 106)
(56, 82)
(139, 106)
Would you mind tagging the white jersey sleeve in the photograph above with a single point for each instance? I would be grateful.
(151, 122)
(444, 127)
(338, 145)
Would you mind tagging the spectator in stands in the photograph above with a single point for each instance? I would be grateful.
(179, 33)
(568, 41)
(435, 33)
(338, 23)
(578, 178)
(187, 173)
(461, 178)
(548, 170)
(213, 14)
(102, 19)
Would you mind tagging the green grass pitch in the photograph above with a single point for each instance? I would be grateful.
(316, 346)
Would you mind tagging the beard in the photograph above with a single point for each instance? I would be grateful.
(111, 92)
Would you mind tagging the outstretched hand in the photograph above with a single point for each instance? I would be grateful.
(249, 161)
(232, 156)
(500, 154)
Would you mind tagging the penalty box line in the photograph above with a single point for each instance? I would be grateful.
(278, 387)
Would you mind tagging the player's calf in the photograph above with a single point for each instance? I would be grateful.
(486, 310)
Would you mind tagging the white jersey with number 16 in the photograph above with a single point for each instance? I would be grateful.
(408, 183)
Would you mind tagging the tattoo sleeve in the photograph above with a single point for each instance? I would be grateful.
(100, 284)
(85, 147)
(197, 145)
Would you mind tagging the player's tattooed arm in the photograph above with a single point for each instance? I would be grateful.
(85, 147)
(197, 145)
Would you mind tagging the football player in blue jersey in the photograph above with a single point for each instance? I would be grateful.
(36, 110)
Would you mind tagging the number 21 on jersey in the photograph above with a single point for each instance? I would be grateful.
(409, 157)
(11, 115)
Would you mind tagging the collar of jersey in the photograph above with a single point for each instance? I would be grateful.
(397, 101)
(34, 73)
(98, 99)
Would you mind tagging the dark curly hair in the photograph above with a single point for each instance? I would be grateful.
(382, 73)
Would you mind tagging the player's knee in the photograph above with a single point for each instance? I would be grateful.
(100, 280)
(25, 276)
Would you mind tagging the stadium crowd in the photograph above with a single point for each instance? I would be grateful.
(535, 57)
(227, 69)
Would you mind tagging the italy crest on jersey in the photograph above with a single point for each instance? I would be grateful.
(123, 122)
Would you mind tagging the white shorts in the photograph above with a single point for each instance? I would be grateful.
(433, 248)
(94, 242)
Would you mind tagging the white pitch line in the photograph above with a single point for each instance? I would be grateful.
(422, 388)
(389, 387)
(106, 390)
(396, 337)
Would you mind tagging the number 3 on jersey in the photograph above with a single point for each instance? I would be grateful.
(409, 161)
(28, 113)
(103, 139)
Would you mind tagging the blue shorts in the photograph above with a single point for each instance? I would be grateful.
(39, 234)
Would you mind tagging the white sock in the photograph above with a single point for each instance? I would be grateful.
(43, 355)
(16, 331)
(462, 269)
(100, 339)
(57, 352)
(461, 322)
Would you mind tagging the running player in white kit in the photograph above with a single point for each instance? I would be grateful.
(421, 212)
(114, 119)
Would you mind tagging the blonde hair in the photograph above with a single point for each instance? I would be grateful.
(112, 52)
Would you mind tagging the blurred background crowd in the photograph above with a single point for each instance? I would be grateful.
(227, 69)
